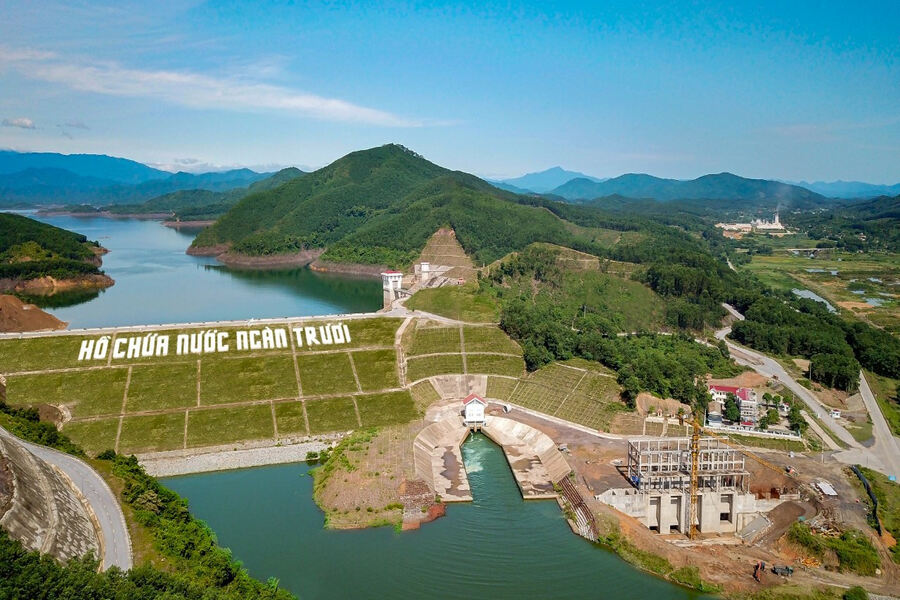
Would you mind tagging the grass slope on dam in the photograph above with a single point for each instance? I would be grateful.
(181, 388)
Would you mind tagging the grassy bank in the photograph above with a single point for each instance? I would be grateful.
(687, 576)
(888, 494)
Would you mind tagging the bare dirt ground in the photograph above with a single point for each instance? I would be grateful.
(443, 249)
(377, 478)
(748, 379)
(16, 316)
(669, 406)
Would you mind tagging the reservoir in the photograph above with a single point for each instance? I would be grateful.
(156, 282)
(497, 547)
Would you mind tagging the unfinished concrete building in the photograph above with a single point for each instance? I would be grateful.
(659, 471)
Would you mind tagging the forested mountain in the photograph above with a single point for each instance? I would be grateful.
(379, 206)
(95, 166)
(542, 181)
(30, 249)
(723, 186)
(864, 225)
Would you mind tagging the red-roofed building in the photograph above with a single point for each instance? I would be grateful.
(746, 400)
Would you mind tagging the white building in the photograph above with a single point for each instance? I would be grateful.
(761, 225)
(745, 397)
(391, 284)
(473, 411)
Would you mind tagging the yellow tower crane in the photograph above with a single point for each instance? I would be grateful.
(697, 429)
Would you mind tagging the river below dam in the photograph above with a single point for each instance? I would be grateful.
(156, 282)
(497, 547)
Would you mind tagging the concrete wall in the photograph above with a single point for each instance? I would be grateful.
(46, 512)
(668, 512)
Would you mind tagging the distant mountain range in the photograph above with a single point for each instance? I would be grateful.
(542, 181)
(39, 178)
(722, 186)
(850, 189)
(204, 204)
(97, 166)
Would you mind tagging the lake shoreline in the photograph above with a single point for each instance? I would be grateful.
(304, 258)
(230, 456)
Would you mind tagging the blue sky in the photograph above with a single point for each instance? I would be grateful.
(791, 90)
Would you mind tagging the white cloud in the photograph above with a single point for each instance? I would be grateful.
(21, 123)
(192, 89)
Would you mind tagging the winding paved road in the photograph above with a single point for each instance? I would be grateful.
(883, 456)
(116, 541)
(886, 446)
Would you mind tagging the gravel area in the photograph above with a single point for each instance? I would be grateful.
(166, 464)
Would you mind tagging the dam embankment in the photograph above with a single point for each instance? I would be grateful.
(41, 507)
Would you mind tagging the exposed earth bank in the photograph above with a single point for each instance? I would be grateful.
(47, 285)
(305, 258)
(16, 316)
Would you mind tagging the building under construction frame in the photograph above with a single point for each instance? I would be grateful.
(665, 465)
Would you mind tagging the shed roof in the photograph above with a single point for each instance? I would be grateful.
(473, 398)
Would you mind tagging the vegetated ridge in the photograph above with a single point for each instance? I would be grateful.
(37, 257)
(379, 207)
(201, 204)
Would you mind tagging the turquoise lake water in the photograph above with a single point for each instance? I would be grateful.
(496, 547)
(156, 282)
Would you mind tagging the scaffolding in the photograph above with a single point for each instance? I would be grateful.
(665, 465)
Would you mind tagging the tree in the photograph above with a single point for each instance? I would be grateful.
(732, 412)
(856, 593)
(796, 420)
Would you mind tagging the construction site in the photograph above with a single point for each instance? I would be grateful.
(680, 485)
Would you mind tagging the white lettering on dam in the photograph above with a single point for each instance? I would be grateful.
(213, 341)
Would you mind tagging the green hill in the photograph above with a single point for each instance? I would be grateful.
(380, 206)
(30, 249)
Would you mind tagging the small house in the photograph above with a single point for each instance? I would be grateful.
(473, 410)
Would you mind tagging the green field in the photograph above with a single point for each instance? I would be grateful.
(326, 374)
(227, 380)
(462, 303)
(34, 354)
(238, 392)
(155, 387)
(587, 397)
(376, 369)
(229, 425)
(423, 395)
(495, 364)
(500, 387)
(489, 339)
(845, 279)
(442, 364)
(432, 340)
(289, 418)
(386, 409)
(87, 393)
(331, 414)
(94, 436)
(152, 433)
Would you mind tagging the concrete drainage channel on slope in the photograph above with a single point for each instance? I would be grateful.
(71, 508)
